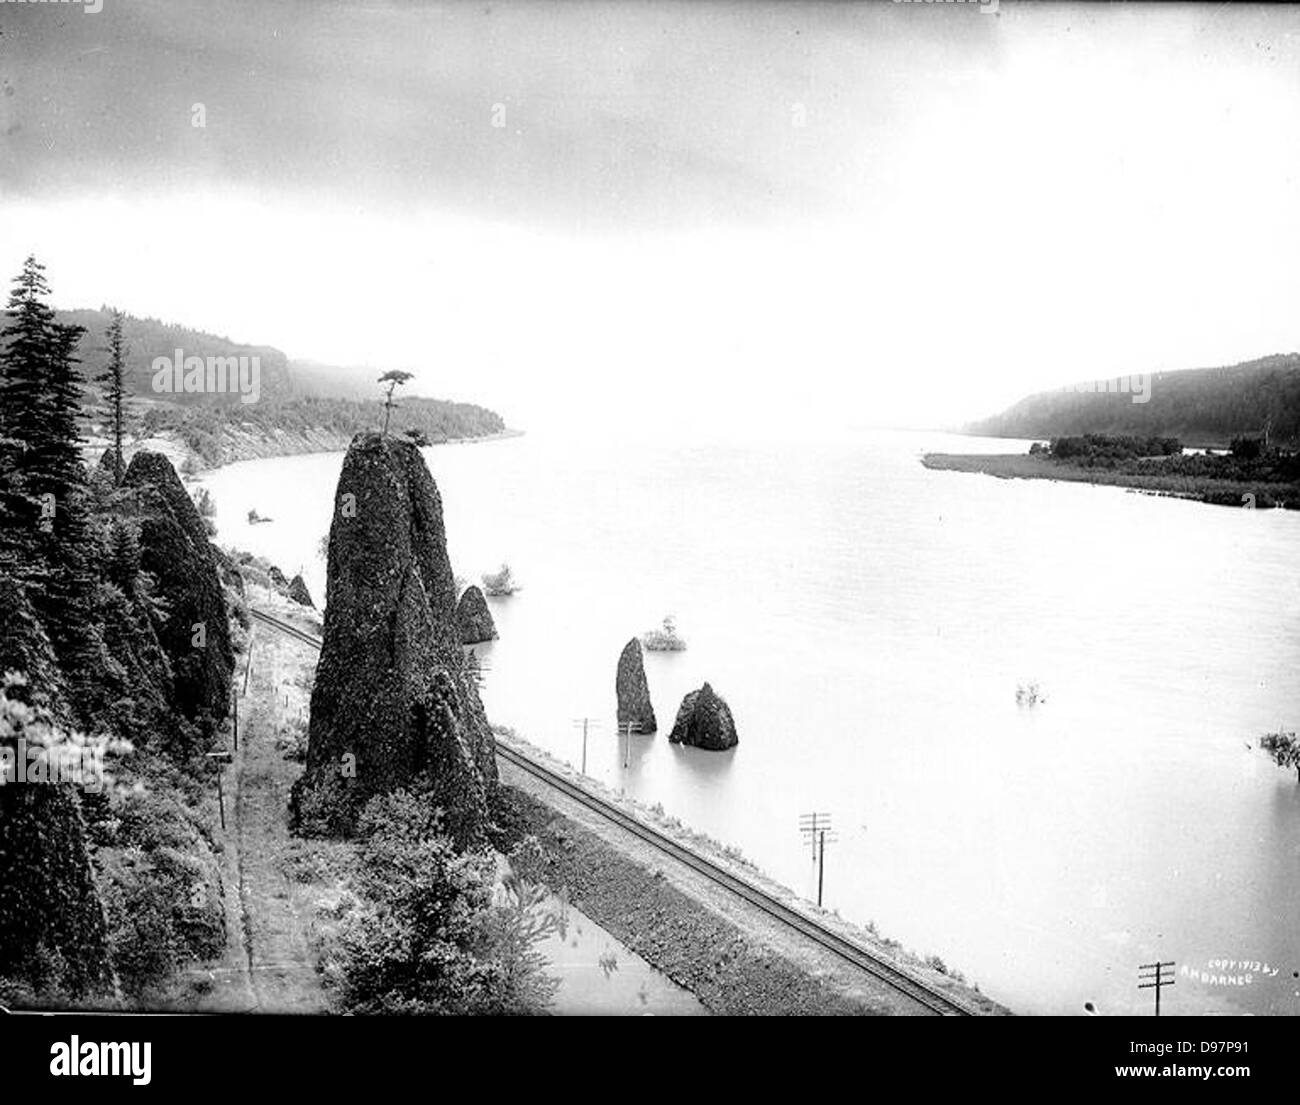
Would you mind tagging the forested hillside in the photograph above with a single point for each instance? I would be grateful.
(295, 400)
(1204, 406)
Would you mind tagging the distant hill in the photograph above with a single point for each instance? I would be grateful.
(302, 406)
(147, 338)
(281, 376)
(1202, 406)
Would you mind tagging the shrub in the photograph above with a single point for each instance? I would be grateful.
(500, 583)
(665, 638)
(426, 935)
(1284, 748)
(1247, 448)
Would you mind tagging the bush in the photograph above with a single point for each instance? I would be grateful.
(1113, 447)
(291, 742)
(500, 583)
(1247, 448)
(664, 639)
(1284, 748)
(425, 935)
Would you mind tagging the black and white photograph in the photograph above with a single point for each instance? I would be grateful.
(607, 509)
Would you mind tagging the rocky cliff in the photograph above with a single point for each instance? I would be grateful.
(633, 690)
(393, 705)
(175, 550)
(704, 721)
(298, 592)
(474, 619)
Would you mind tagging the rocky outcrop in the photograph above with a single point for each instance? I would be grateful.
(175, 550)
(53, 937)
(633, 691)
(298, 592)
(277, 578)
(231, 576)
(474, 619)
(704, 721)
(110, 464)
(394, 705)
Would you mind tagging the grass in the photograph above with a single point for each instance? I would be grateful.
(1141, 476)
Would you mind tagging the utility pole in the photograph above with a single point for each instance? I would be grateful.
(222, 757)
(234, 699)
(248, 663)
(1152, 976)
(584, 722)
(627, 729)
(817, 826)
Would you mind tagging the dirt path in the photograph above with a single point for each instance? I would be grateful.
(270, 966)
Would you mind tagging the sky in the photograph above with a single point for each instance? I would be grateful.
(650, 213)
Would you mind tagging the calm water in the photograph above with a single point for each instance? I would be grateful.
(869, 622)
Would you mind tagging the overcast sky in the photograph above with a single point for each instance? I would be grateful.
(893, 213)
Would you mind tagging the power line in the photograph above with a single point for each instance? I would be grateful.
(626, 729)
(1152, 976)
(817, 828)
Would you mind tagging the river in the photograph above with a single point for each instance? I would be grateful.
(869, 622)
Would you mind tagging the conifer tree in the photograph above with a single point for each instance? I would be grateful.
(42, 481)
(113, 379)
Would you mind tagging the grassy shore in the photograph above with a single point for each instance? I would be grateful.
(1167, 476)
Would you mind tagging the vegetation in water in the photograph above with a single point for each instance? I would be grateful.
(500, 583)
(665, 638)
(1284, 749)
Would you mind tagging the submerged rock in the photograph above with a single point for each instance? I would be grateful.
(704, 721)
(633, 690)
(394, 705)
(474, 619)
(175, 550)
(298, 592)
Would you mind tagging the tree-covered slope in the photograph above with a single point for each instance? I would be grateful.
(1202, 406)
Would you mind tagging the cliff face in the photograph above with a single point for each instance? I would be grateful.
(174, 548)
(299, 593)
(633, 691)
(704, 721)
(53, 936)
(474, 619)
(393, 705)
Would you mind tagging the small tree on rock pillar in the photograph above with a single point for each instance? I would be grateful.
(393, 378)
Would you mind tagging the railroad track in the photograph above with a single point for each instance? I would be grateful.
(877, 966)
(285, 628)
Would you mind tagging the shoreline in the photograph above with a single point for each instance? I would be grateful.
(1210, 490)
(236, 449)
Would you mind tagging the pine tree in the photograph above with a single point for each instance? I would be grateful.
(123, 556)
(41, 475)
(26, 339)
(113, 379)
